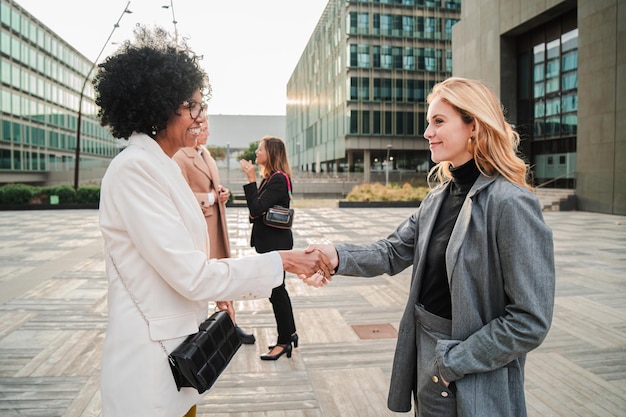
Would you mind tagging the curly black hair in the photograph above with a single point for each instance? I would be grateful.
(143, 83)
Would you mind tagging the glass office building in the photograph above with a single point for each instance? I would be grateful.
(42, 78)
(356, 98)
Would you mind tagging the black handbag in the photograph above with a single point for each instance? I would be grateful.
(202, 357)
(279, 216)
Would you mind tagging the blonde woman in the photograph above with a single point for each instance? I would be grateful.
(482, 290)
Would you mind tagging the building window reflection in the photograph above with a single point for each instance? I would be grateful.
(552, 100)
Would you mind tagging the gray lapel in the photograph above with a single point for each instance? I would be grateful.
(462, 223)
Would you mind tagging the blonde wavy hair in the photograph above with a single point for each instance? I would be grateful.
(495, 144)
(276, 157)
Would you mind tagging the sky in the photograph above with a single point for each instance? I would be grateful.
(250, 47)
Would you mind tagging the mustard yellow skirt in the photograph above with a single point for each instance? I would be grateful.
(191, 412)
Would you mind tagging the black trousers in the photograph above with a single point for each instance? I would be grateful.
(281, 303)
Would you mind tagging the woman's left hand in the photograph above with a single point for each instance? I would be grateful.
(223, 193)
(443, 380)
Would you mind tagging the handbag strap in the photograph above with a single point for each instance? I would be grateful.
(288, 182)
(135, 301)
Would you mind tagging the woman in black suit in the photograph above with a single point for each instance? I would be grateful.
(274, 189)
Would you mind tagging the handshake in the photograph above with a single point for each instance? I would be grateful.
(313, 265)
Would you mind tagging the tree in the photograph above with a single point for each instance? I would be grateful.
(249, 154)
(218, 153)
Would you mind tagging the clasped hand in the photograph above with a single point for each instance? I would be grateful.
(306, 263)
(320, 278)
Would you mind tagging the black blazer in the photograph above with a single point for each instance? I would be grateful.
(270, 192)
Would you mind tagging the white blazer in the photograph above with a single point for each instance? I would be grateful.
(155, 232)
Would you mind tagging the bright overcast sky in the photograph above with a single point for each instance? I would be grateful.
(250, 47)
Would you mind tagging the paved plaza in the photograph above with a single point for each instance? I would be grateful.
(53, 317)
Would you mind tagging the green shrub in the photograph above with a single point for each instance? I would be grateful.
(392, 192)
(17, 193)
(88, 194)
(66, 193)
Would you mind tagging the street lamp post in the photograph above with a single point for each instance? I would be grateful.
(387, 166)
(228, 163)
(82, 94)
(298, 150)
(174, 21)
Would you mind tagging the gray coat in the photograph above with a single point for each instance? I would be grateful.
(500, 265)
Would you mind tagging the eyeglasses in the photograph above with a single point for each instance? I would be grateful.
(195, 108)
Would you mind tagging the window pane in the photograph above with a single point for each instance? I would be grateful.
(377, 123)
(569, 103)
(553, 106)
(363, 56)
(354, 92)
(354, 122)
(569, 124)
(365, 125)
(364, 93)
(386, 89)
(540, 108)
(388, 123)
(363, 23)
(553, 127)
(570, 61)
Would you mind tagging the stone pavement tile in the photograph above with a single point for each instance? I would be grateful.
(53, 321)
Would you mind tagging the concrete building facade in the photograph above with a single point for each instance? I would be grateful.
(561, 75)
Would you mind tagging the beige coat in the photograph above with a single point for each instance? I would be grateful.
(202, 175)
(156, 234)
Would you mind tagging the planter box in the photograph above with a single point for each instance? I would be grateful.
(375, 204)
(237, 204)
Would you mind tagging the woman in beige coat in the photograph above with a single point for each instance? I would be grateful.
(155, 237)
(201, 173)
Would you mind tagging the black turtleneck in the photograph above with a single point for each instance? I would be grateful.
(435, 292)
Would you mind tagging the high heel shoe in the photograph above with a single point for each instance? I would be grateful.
(286, 350)
(246, 338)
(294, 340)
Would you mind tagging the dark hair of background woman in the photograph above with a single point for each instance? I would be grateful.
(144, 82)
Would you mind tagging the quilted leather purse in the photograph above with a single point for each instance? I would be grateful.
(202, 357)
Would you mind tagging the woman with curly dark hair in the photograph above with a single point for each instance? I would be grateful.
(156, 241)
